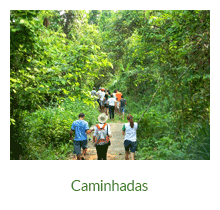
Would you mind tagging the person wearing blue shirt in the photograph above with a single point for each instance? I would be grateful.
(81, 129)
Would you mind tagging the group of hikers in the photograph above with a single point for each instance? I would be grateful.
(108, 103)
(102, 137)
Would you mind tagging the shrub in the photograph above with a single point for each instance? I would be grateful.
(46, 131)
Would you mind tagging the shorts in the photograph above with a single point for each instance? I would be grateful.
(106, 105)
(130, 144)
(122, 109)
(78, 145)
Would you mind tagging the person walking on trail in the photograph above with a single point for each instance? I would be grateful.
(102, 94)
(114, 95)
(111, 104)
(118, 97)
(81, 128)
(123, 102)
(108, 92)
(115, 91)
(101, 137)
(130, 140)
(99, 96)
(106, 102)
(93, 92)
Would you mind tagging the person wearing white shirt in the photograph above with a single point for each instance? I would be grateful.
(112, 103)
(93, 92)
(98, 93)
(102, 147)
(114, 94)
(102, 95)
(129, 130)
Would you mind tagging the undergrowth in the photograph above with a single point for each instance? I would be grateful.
(45, 133)
(163, 134)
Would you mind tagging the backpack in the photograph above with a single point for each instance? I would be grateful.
(102, 138)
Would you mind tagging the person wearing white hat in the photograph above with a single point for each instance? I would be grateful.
(101, 137)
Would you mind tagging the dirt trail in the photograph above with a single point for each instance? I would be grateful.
(116, 151)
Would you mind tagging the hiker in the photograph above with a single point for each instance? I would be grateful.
(102, 95)
(118, 97)
(101, 137)
(108, 92)
(99, 96)
(111, 104)
(123, 102)
(81, 128)
(115, 91)
(105, 101)
(130, 141)
(93, 92)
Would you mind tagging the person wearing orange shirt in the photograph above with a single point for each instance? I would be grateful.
(118, 97)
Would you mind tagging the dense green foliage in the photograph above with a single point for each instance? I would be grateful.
(45, 133)
(168, 51)
(48, 66)
(159, 55)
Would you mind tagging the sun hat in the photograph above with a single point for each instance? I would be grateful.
(102, 118)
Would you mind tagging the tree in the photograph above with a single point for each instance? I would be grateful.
(94, 16)
(46, 67)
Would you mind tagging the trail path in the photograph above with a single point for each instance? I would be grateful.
(116, 151)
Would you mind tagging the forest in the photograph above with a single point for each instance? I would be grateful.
(158, 59)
